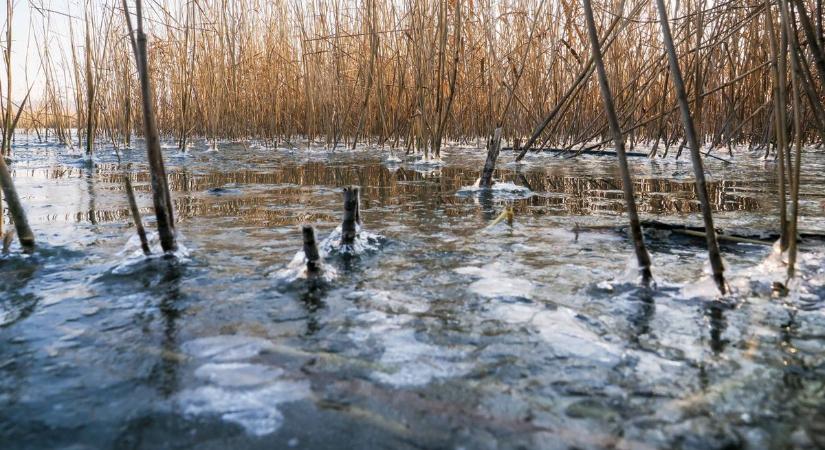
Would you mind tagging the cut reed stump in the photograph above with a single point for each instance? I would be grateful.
(352, 216)
(493, 149)
(311, 253)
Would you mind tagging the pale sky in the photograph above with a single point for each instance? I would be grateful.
(28, 20)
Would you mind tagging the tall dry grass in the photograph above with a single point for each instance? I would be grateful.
(419, 72)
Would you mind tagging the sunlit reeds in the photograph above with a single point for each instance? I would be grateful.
(419, 72)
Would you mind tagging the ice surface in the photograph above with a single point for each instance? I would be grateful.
(238, 374)
(253, 409)
(406, 360)
(561, 330)
(227, 347)
(494, 281)
(133, 253)
(244, 393)
(410, 362)
(500, 189)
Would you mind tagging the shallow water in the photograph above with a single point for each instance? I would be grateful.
(448, 334)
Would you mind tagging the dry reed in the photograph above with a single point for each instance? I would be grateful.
(419, 72)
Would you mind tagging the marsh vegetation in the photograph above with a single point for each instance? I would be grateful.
(413, 224)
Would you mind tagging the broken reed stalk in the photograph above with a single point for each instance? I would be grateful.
(642, 256)
(349, 230)
(693, 143)
(133, 208)
(313, 256)
(18, 214)
(493, 150)
(795, 171)
(779, 83)
(494, 144)
(160, 187)
(574, 88)
(90, 88)
(507, 214)
(109, 121)
(723, 237)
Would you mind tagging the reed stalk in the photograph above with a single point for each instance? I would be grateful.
(642, 256)
(5, 146)
(693, 143)
(349, 224)
(788, 22)
(779, 83)
(160, 188)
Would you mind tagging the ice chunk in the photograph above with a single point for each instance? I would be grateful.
(238, 374)
(494, 281)
(253, 409)
(227, 347)
(410, 362)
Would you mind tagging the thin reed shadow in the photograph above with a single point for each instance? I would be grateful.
(642, 316)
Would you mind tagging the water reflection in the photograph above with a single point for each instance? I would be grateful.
(715, 314)
(90, 192)
(642, 316)
(259, 192)
(16, 303)
(518, 343)
(794, 370)
(312, 300)
(485, 199)
(164, 375)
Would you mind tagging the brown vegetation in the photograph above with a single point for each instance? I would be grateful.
(418, 72)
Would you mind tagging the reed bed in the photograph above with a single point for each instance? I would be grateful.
(417, 73)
